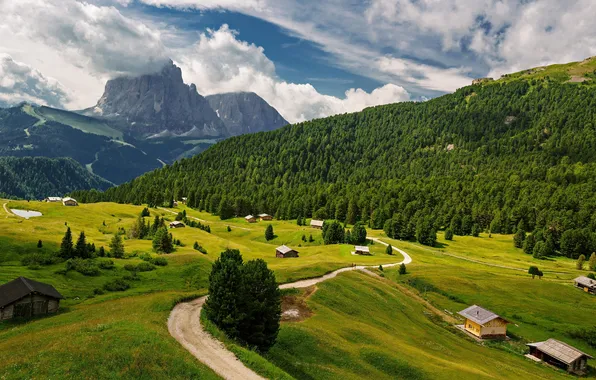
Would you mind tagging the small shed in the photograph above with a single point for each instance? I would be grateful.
(361, 250)
(53, 199)
(263, 217)
(586, 284)
(317, 224)
(561, 355)
(284, 251)
(23, 298)
(176, 224)
(68, 201)
(184, 200)
(250, 219)
(484, 323)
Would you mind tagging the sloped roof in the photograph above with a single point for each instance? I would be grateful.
(263, 215)
(249, 217)
(585, 281)
(16, 289)
(68, 199)
(479, 315)
(559, 350)
(361, 248)
(176, 223)
(284, 249)
(317, 223)
(54, 198)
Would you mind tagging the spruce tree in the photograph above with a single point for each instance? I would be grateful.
(117, 247)
(81, 248)
(66, 247)
(269, 235)
(402, 269)
(389, 250)
(162, 241)
(101, 252)
(518, 238)
(449, 234)
(39, 244)
(358, 233)
(529, 244)
(580, 262)
(592, 262)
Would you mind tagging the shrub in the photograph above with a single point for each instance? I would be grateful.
(117, 285)
(130, 267)
(86, 267)
(159, 261)
(39, 259)
(145, 267)
(98, 291)
(199, 248)
(402, 269)
(592, 276)
(106, 264)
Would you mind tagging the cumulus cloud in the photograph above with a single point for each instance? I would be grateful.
(220, 62)
(22, 83)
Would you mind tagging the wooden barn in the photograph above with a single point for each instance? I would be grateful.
(484, 323)
(284, 252)
(361, 250)
(176, 224)
(263, 217)
(586, 284)
(68, 201)
(560, 355)
(23, 298)
(53, 199)
(250, 219)
(317, 224)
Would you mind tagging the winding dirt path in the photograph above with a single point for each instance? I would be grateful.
(7, 211)
(185, 326)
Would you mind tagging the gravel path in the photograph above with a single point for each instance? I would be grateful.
(185, 326)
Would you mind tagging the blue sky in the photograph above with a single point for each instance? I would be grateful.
(307, 58)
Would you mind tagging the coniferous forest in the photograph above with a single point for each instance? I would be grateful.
(498, 157)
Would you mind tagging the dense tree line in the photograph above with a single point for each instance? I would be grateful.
(497, 158)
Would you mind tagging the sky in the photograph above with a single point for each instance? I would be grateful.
(307, 58)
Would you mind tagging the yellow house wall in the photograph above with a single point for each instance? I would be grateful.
(473, 327)
(494, 327)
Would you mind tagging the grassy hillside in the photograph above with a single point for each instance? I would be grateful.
(361, 325)
(573, 72)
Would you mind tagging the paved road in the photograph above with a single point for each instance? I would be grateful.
(185, 326)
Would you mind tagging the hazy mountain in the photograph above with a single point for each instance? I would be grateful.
(158, 104)
(245, 112)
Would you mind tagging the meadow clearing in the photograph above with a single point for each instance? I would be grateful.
(391, 327)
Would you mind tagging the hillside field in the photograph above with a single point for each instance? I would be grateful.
(399, 326)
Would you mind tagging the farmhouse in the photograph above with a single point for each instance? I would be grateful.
(561, 355)
(484, 323)
(263, 217)
(317, 224)
(53, 199)
(176, 224)
(283, 252)
(24, 298)
(68, 201)
(184, 200)
(586, 284)
(361, 250)
(250, 219)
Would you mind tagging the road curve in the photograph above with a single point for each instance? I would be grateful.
(185, 326)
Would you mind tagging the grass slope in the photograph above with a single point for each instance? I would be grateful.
(80, 122)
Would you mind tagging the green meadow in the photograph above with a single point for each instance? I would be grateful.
(395, 326)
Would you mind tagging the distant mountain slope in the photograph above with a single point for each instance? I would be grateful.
(39, 177)
(245, 112)
(159, 103)
(502, 156)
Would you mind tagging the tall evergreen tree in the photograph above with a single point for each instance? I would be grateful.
(358, 233)
(269, 235)
(66, 247)
(117, 247)
(82, 249)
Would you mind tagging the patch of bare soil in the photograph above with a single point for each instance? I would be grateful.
(294, 308)
(577, 79)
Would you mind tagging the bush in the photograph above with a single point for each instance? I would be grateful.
(98, 291)
(106, 264)
(199, 248)
(145, 267)
(130, 267)
(159, 261)
(86, 267)
(592, 276)
(39, 259)
(402, 269)
(117, 285)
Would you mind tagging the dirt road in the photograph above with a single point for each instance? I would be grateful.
(185, 326)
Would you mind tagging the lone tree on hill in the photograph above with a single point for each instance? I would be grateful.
(592, 262)
(534, 271)
(66, 247)
(580, 262)
(269, 235)
(39, 244)
(244, 300)
(117, 247)
(402, 269)
(389, 250)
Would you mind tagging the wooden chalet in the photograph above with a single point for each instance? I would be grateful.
(560, 355)
(23, 298)
(68, 201)
(184, 200)
(317, 224)
(250, 219)
(53, 199)
(361, 250)
(263, 217)
(176, 224)
(285, 252)
(586, 284)
(483, 323)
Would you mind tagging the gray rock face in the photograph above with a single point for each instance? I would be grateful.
(156, 103)
(245, 112)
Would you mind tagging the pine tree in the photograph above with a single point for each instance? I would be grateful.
(117, 247)
(448, 234)
(101, 252)
(475, 230)
(519, 238)
(39, 244)
(402, 269)
(269, 235)
(66, 247)
(529, 244)
(163, 241)
(358, 233)
(580, 262)
(81, 249)
(592, 262)
(389, 250)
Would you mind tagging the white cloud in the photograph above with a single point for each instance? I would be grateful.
(20, 82)
(220, 62)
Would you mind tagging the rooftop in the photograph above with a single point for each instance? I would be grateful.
(361, 248)
(559, 350)
(248, 217)
(16, 289)
(284, 249)
(583, 280)
(318, 223)
(479, 315)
